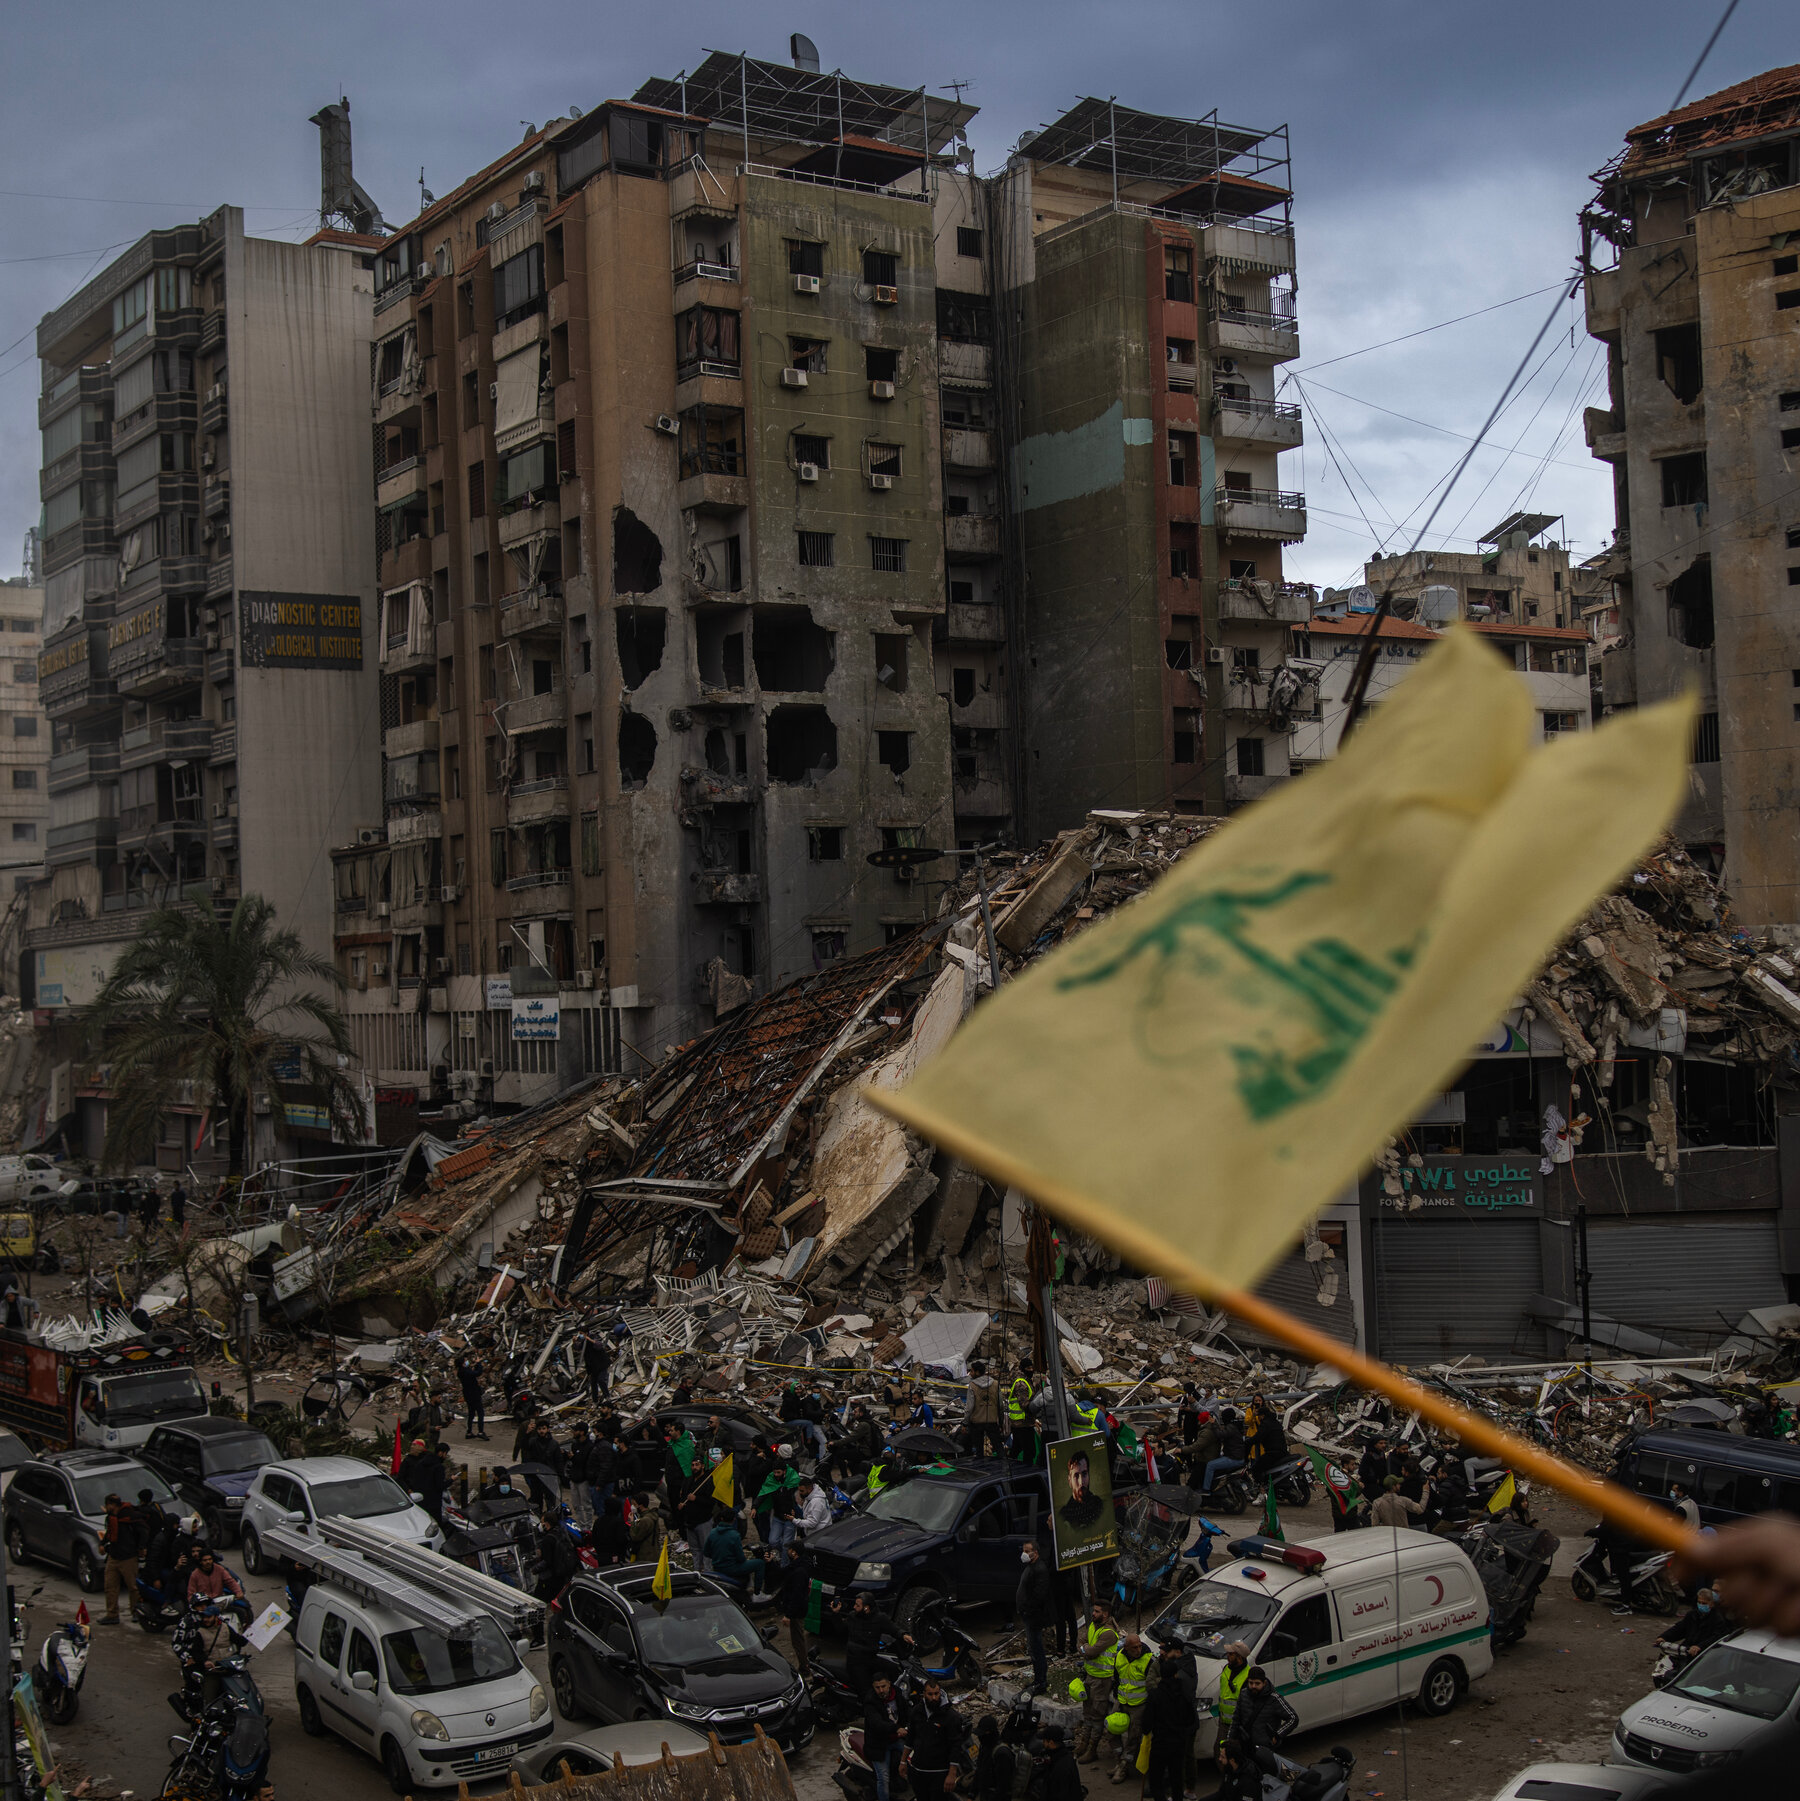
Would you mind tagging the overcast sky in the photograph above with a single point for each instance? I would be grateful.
(1441, 153)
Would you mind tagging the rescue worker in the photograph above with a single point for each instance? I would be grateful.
(1020, 1436)
(1171, 1718)
(1099, 1645)
(1231, 1683)
(1131, 1689)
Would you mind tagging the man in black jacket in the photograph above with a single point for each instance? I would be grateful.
(1035, 1603)
(1262, 1720)
(865, 1630)
(884, 1734)
(793, 1601)
(939, 1746)
(1171, 1718)
(1372, 1473)
(1057, 1778)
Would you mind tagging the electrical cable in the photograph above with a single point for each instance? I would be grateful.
(1424, 330)
(1699, 61)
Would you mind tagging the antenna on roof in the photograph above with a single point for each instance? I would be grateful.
(426, 197)
(804, 52)
(341, 201)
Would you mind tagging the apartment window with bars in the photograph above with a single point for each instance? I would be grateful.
(888, 555)
(809, 448)
(1706, 736)
(565, 450)
(477, 490)
(816, 550)
(968, 241)
(881, 268)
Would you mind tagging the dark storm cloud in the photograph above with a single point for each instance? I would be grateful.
(1441, 153)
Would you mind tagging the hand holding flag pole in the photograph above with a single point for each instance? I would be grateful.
(1194, 1077)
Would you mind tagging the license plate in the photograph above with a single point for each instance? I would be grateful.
(494, 1752)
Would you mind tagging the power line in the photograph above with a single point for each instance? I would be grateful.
(1307, 368)
(1724, 20)
(108, 200)
(52, 256)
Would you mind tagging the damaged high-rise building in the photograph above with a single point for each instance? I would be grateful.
(759, 492)
(1693, 284)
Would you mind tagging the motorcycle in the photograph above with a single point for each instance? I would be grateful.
(153, 1610)
(1651, 1583)
(854, 1778)
(1239, 1491)
(206, 1679)
(1326, 1780)
(226, 1756)
(61, 1668)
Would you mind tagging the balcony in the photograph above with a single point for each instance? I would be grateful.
(80, 841)
(1251, 245)
(416, 910)
(221, 665)
(1241, 790)
(532, 712)
(1183, 378)
(142, 660)
(415, 827)
(399, 483)
(183, 740)
(218, 579)
(727, 888)
(140, 827)
(214, 409)
(72, 769)
(72, 678)
(971, 535)
(531, 803)
(225, 830)
(528, 521)
(1247, 692)
(215, 497)
(974, 622)
(402, 292)
(708, 788)
(1260, 513)
(212, 333)
(538, 609)
(965, 365)
(1241, 419)
(716, 485)
(1265, 603)
(418, 738)
(968, 449)
(1242, 331)
(1604, 437)
(544, 892)
(224, 745)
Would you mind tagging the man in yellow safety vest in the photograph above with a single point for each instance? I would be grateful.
(1131, 1689)
(1099, 1646)
(1021, 1439)
(1231, 1683)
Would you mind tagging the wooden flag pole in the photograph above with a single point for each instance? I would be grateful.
(1626, 1510)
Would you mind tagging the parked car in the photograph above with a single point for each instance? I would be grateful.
(616, 1654)
(1344, 1625)
(210, 1463)
(300, 1490)
(28, 1178)
(743, 1423)
(1731, 1477)
(603, 1748)
(434, 1710)
(55, 1508)
(1732, 1698)
(20, 1246)
(1584, 1782)
(956, 1534)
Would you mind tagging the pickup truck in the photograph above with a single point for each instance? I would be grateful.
(956, 1534)
(110, 1396)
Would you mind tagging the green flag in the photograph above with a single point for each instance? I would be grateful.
(1322, 1465)
(683, 1449)
(1271, 1521)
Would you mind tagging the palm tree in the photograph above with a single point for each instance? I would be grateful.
(220, 1002)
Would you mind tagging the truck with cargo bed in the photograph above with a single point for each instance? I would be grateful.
(111, 1395)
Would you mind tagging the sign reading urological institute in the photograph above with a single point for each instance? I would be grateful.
(300, 631)
(1445, 1187)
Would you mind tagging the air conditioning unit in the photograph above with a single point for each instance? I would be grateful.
(493, 390)
(793, 378)
(496, 212)
(440, 966)
(212, 640)
(534, 182)
(422, 272)
(487, 1068)
(224, 531)
(887, 296)
(808, 472)
(219, 884)
(378, 970)
(451, 893)
(206, 533)
(881, 483)
(382, 909)
(668, 425)
(1215, 654)
(219, 807)
(1224, 365)
(584, 978)
(881, 390)
(806, 284)
(371, 834)
(216, 392)
(207, 459)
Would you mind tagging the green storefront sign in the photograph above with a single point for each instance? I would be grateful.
(1444, 1187)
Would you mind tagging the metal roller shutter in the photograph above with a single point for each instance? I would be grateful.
(1457, 1287)
(1692, 1275)
(1294, 1288)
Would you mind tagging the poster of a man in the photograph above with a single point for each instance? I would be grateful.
(1081, 1501)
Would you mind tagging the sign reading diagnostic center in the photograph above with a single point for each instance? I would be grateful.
(300, 631)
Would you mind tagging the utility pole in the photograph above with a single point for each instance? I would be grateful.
(1584, 1278)
(10, 1789)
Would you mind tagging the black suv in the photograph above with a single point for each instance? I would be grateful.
(957, 1533)
(55, 1508)
(615, 1654)
(210, 1463)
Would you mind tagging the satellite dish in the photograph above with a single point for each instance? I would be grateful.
(574, 112)
(804, 52)
(1437, 606)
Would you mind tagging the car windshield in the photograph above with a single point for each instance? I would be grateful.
(696, 1629)
(155, 1395)
(228, 1456)
(420, 1662)
(1743, 1681)
(930, 1505)
(1212, 1615)
(361, 1498)
(127, 1483)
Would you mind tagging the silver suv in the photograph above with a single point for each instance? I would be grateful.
(55, 1509)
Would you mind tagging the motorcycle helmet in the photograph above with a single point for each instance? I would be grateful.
(1116, 1723)
(1077, 1690)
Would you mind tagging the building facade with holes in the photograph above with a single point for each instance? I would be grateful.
(1692, 280)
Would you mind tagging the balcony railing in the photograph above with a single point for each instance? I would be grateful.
(538, 609)
(1260, 497)
(1260, 409)
(539, 878)
(703, 271)
(831, 181)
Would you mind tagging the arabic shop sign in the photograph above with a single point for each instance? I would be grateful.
(1443, 1187)
(301, 631)
(537, 1020)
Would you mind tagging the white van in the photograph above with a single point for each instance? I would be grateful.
(434, 1711)
(1343, 1625)
(28, 1178)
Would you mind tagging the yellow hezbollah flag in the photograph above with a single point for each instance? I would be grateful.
(1502, 1497)
(723, 1490)
(1195, 1076)
(662, 1585)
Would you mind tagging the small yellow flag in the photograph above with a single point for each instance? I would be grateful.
(724, 1482)
(1502, 1497)
(1191, 1079)
(662, 1584)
